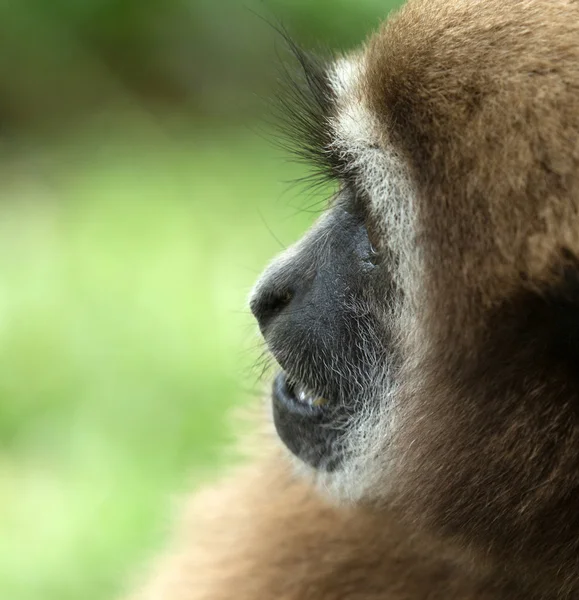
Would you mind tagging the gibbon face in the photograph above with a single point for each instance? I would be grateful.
(427, 326)
(323, 309)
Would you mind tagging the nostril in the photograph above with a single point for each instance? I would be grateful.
(268, 304)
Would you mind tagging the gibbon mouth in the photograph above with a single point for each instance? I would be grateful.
(296, 397)
(303, 422)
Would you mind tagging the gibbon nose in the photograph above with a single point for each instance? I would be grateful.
(268, 302)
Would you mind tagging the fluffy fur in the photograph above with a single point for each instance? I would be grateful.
(437, 302)
(233, 545)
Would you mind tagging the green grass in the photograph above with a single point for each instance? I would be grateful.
(126, 256)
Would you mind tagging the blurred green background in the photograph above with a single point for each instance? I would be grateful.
(139, 203)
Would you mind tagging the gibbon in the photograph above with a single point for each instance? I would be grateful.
(426, 330)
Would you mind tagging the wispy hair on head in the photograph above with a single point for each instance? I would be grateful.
(304, 105)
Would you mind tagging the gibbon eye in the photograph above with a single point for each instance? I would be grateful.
(356, 204)
(362, 209)
(372, 244)
(372, 255)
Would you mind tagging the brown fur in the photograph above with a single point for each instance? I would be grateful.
(482, 98)
(265, 534)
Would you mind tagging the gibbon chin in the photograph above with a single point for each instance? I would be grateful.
(426, 330)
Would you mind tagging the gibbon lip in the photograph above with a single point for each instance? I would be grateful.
(297, 397)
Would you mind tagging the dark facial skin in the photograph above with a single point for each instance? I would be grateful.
(320, 313)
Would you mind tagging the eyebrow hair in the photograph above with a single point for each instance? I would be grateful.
(306, 104)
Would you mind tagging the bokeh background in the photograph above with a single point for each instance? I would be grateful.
(140, 198)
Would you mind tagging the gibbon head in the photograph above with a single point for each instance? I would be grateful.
(427, 326)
